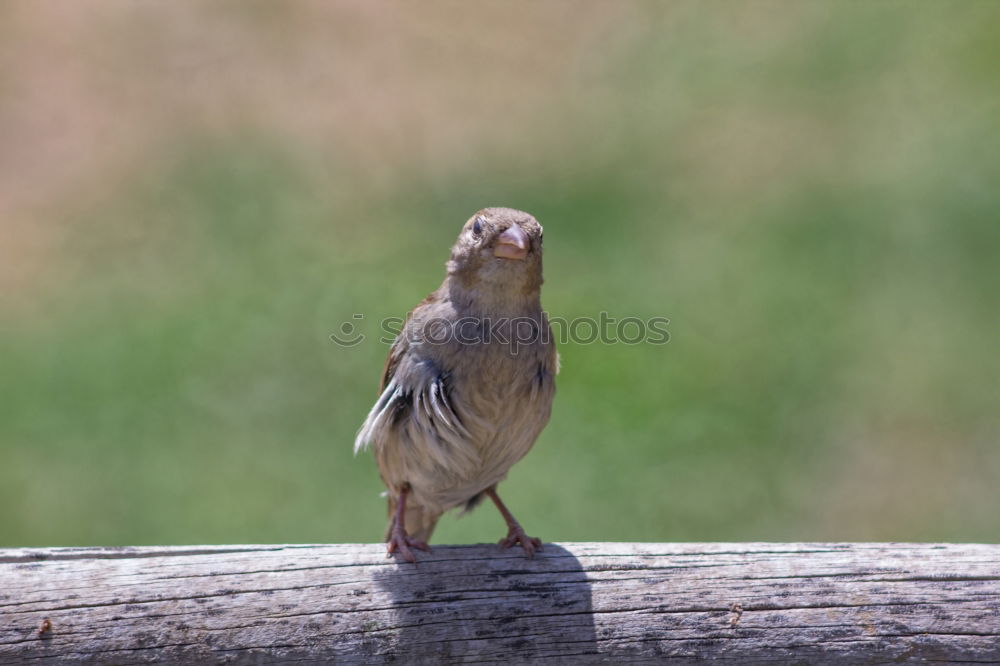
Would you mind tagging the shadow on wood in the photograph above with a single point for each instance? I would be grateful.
(455, 603)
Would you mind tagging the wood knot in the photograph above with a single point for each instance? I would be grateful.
(737, 610)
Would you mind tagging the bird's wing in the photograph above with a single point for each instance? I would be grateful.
(396, 352)
(391, 396)
(401, 344)
(414, 395)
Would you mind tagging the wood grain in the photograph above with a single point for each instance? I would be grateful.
(574, 603)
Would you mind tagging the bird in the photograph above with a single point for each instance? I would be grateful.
(468, 384)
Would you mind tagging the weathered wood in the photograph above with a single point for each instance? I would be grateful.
(574, 603)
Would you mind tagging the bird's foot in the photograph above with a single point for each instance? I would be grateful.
(516, 535)
(402, 542)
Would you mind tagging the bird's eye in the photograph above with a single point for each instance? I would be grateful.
(477, 227)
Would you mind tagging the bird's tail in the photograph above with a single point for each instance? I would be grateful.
(419, 522)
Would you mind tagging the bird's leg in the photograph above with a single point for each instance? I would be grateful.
(398, 538)
(515, 533)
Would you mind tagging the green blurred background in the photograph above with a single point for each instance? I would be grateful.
(194, 196)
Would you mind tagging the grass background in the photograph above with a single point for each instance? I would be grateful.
(193, 197)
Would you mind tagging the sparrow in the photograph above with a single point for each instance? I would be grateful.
(468, 384)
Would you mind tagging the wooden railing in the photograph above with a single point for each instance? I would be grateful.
(575, 602)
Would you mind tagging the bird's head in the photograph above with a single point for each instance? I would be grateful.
(499, 249)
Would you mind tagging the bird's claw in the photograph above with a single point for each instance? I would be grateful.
(516, 535)
(402, 542)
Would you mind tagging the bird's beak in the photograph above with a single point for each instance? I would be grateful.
(512, 244)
